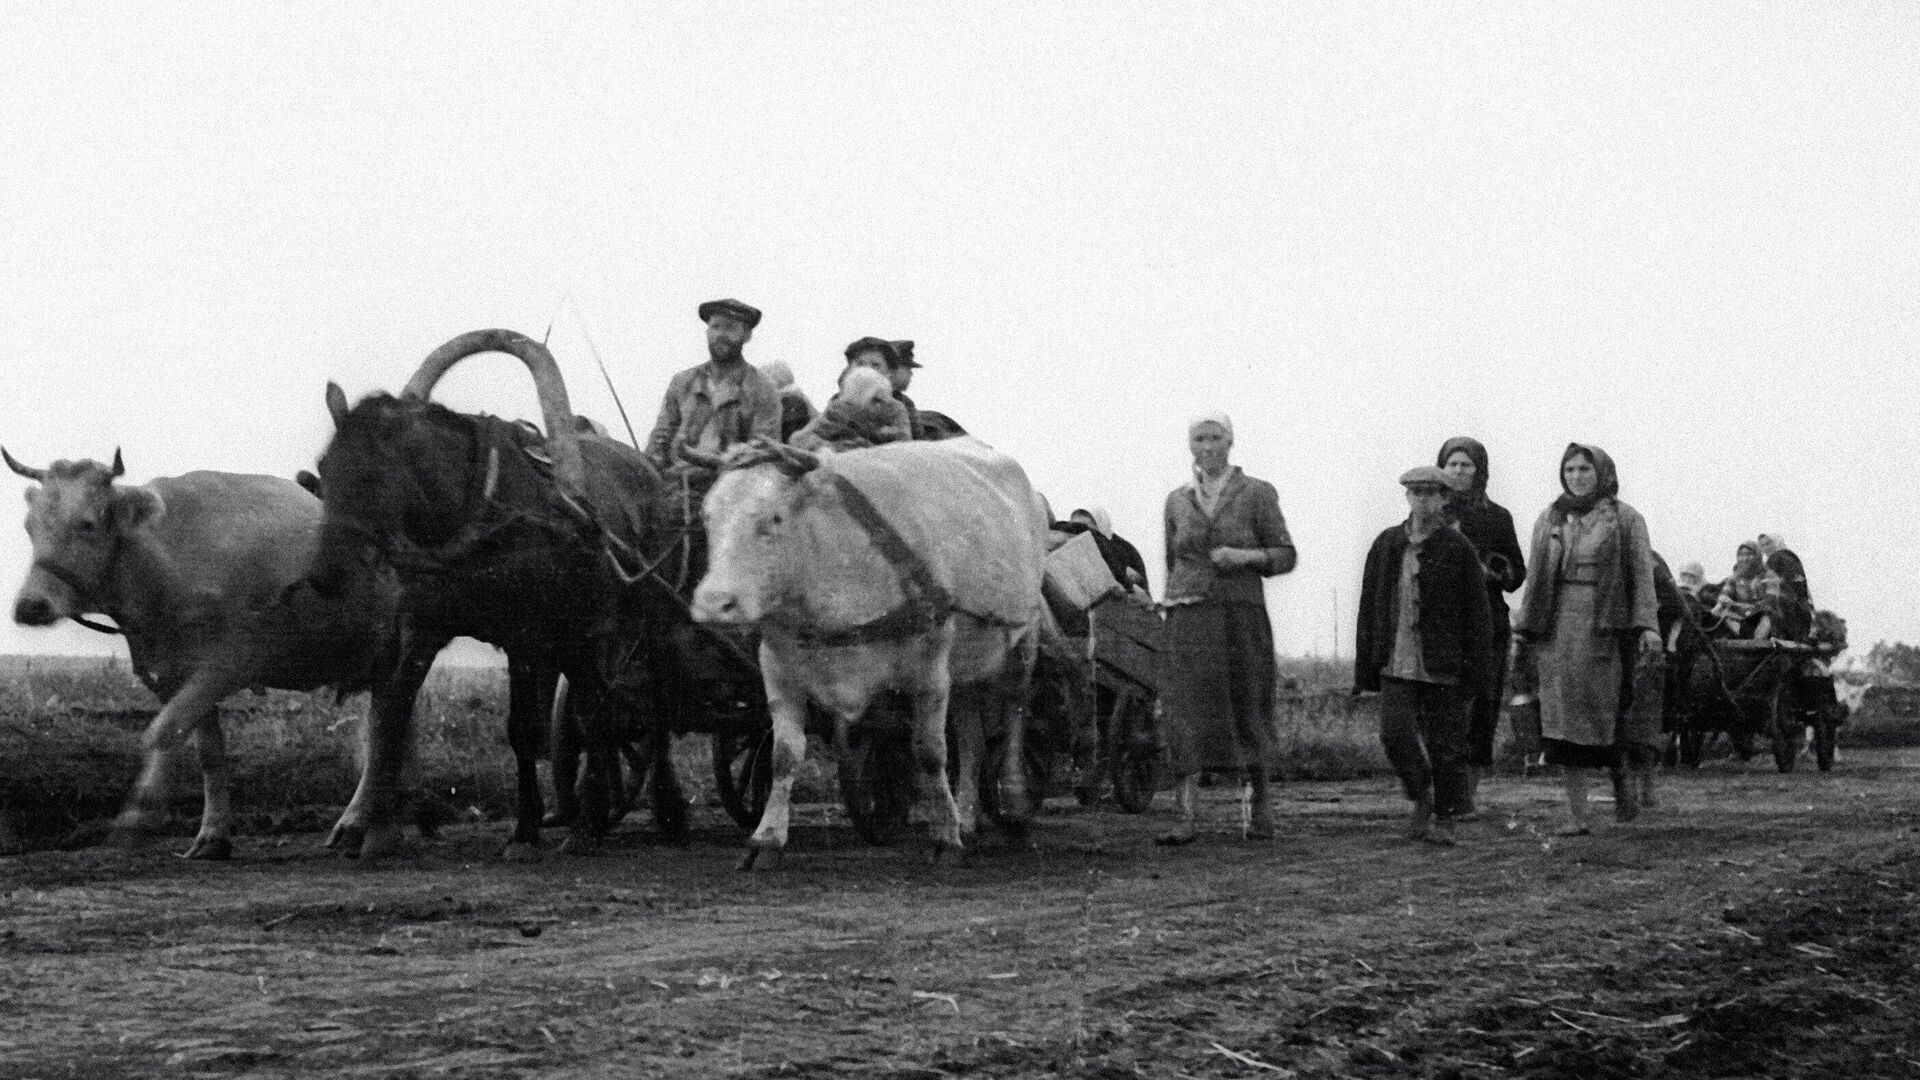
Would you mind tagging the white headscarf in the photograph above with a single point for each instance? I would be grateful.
(1214, 416)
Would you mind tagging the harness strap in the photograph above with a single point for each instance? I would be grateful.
(926, 601)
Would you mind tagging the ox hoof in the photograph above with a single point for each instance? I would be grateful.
(579, 844)
(346, 837)
(951, 851)
(762, 858)
(210, 848)
(380, 841)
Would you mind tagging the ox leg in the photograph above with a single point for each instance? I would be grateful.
(1010, 705)
(187, 710)
(787, 705)
(371, 824)
(215, 838)
(930, 755)
(530, 682)
(966, 727)
(564, 760)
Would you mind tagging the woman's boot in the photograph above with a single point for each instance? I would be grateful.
(1259, 819)
(1574, 782)
(1186, 794)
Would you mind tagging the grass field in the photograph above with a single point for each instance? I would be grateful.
(70, 738)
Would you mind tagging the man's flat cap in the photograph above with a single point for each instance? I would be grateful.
(904, 350)
(883, 347)
(746, 313)
(1425, 476)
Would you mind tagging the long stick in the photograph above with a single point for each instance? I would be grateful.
(574, 306)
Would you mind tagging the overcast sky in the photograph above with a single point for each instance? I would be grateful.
(1689, 233)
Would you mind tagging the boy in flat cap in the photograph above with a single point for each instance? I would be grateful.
(712, 406)
(1423, 642)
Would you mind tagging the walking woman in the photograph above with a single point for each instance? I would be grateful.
(1589, 623)
(1224, 533)
(1490, 527)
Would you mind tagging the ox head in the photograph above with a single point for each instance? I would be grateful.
(405, 474)
(396, 473)
(77, 519)
(749, 518)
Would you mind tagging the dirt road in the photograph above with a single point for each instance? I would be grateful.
(1751, 916)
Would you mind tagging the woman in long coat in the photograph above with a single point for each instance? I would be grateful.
(1490, 527)
(1224, 534)
(1590, 625)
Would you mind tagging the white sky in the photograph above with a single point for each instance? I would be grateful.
(1688, 233)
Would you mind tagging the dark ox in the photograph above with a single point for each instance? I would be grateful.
(195, 571)
(910, 567)
(496, 534)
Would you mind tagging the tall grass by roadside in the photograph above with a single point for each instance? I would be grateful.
(70, 745)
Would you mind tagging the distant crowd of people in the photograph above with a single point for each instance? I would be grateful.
(1434, 638)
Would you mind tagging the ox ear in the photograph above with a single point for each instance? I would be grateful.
(337, 404)
(134, 507)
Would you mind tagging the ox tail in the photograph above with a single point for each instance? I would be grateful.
(563, 439)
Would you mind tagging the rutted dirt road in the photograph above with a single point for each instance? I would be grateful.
(1340, 949)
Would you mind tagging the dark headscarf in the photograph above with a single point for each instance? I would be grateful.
(1608, 486)
(1476, 493)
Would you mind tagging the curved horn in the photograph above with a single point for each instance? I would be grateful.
(563, 438)
(119, 467)
(31, 474)
(798, 460)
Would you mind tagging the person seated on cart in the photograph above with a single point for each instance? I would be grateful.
(1789, 601)
(1740, 611)
(864, 413)
(796, 411)
(1122, 558)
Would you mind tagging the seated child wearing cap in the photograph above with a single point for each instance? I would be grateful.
(864, 413)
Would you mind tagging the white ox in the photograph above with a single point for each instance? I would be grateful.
(192, 569)
(910, 566)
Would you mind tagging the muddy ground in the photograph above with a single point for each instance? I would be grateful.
(1754, 924)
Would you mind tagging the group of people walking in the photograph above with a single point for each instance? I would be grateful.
(1434, 638)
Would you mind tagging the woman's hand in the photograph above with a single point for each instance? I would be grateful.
(1650, 646)
(1228, 558)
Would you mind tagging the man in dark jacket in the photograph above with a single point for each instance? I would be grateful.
(1423, 642)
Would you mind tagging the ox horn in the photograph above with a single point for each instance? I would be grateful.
(119, 467)
(29, 473)
(563, 438)
(796, 460)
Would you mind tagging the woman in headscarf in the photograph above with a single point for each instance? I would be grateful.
(862, 414)
(1224, 534)
(1490, 527)
(1788, 600)
(1740, 606)
(1121, 557)
(796, 411)
(1590, 624)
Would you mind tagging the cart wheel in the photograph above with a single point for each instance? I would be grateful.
(1784, 723)
(1013, 816)
(743, 774)
(1693, 743)
(1826, 736)
(876, 785)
